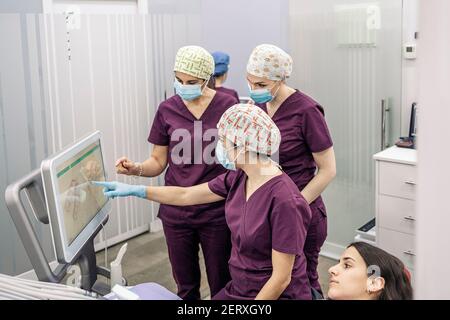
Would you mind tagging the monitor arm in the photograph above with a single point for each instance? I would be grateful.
(33, 191)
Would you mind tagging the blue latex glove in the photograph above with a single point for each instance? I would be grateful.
(118, 189)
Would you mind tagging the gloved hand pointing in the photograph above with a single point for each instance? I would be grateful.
(118, 189)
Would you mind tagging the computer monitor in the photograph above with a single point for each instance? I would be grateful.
(76, 207)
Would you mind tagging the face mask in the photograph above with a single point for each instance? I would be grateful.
(221, 155)
(189, 92)
(262, 95)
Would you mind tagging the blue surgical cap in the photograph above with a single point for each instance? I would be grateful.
(221, 60)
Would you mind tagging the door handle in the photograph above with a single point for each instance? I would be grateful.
(384, 110)
(409, 218)
(411, 183)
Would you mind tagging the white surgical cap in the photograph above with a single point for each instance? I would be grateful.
(270, 62)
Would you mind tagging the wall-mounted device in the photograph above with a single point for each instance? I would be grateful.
(410, 51)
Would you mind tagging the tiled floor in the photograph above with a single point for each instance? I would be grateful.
(146, 260)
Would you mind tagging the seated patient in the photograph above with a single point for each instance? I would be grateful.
(365, 272)
(266, 214)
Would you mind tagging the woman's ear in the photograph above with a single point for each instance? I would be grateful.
(375, 285)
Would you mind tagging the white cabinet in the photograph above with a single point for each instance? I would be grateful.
(396, 182)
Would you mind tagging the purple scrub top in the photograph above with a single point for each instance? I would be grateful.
(173, 114)
(231, 92)
(303, 132)
(276, 216)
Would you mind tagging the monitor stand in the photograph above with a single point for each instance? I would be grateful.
(33, 192)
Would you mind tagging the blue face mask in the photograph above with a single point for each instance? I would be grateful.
(188, 92)
(221, 155)
(261, 95)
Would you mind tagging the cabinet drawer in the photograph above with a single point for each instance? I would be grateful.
(396, 214)
(398, 180)
(398, 244)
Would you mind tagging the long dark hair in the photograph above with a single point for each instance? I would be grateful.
(397, 278)
(212, 82)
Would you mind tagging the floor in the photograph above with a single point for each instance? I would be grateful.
(146, 260)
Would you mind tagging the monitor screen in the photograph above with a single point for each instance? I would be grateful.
(80, 200)
(77, 208)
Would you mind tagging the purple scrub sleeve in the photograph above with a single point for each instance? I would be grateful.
(158, 134)
(288, 228)
(222, 184)
(315, 130)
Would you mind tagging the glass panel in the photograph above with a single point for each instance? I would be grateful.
(347, 56)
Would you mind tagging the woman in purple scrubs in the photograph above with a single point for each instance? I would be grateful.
(222, 62)
(267, 215)
(306, 144)
(183, 130)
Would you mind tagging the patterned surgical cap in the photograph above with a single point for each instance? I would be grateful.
(270, 62)
(194, 61)
(248, 125)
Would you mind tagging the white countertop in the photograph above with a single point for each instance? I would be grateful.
(398, 155)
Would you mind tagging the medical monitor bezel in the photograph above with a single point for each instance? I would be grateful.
(65, 252)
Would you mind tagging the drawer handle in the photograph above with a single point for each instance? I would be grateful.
(409, 218)
(410, 182)
(409, 253)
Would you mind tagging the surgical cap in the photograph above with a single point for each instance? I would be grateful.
(222, 61)
(194, 61)
(248, 125)
(270, 62)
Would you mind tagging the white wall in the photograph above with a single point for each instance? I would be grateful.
(233, 26)
(20, 6)
(97, 6)
(433, 236)
(174, 6)
(236, 27)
